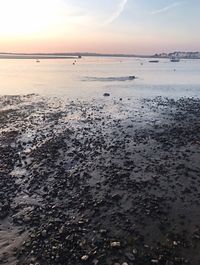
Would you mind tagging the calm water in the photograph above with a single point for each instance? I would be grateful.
(91, 77)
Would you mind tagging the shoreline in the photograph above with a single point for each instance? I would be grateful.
(39, 57)
(99, 182)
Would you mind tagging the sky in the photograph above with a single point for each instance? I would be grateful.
(103, 26)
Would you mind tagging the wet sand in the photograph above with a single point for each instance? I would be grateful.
(106, 181)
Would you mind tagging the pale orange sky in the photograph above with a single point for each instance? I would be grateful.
(115, 26)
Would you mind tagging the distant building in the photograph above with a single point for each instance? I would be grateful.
(179, 54)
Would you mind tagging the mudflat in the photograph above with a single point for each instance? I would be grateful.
(99, 182)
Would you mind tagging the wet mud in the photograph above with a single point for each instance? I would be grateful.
(110, 181)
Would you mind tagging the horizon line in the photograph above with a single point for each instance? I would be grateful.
(96, 53)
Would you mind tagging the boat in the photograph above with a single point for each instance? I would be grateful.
(154, 61)
(37, 61)
(175, 60)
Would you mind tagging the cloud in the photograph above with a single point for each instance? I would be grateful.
(117, 13)
(92, 14)
(165, 9)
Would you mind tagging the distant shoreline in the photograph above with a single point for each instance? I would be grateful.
(40, 56)
(35, 57)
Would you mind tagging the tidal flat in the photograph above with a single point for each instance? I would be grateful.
(108, 181)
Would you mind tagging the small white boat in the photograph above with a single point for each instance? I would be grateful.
(175, 60)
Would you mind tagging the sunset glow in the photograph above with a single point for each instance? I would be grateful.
(129, 26)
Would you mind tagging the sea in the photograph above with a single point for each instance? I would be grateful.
(91, 77)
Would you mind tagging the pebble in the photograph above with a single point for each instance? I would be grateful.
(130, 256)
(135, 251)
(44, 233)
(154, 261)
(115, 244)
(85, 258)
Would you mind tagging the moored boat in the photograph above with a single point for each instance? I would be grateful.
(154, 61)
(175, 60)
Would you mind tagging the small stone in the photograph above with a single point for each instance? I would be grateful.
(135, 251)
(196, 237)
(116, 196)
(61, 230)
(103, 231)
(115, 244)
(85, 258)
(95, 261)
(27, 219)
(130, 256)
(44, 233)
(154, 261)
(106, 94)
